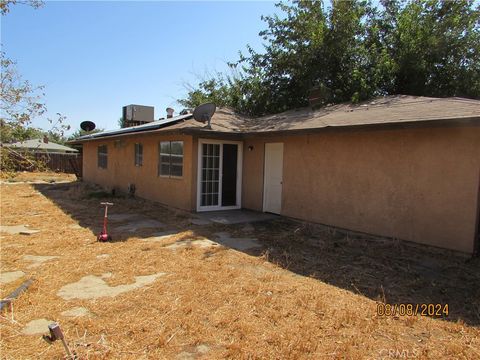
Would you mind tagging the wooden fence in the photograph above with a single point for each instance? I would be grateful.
(58, 162)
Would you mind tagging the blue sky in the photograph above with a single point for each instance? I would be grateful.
(94, 57)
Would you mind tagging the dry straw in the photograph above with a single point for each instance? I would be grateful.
(213, 303)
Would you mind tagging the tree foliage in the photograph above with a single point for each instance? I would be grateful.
(353, 51)
(20, 103)
(81, 132)
(5, 5)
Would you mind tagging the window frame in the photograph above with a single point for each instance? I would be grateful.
(102, 155)
(138, 154)
(162, 156)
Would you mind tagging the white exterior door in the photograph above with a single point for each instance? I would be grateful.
(273, 178)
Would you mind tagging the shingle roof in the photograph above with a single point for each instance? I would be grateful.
(385, 110)
(398, 109)
(38, 144)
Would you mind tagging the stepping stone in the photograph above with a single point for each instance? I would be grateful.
(200, 222)
(248, 228)
(194, 353)
(160, 236)
(93, 287)
(222, 235)
(37, 260)
(76, 312)
(201, 243)
(127, 217)
(138, 225)
(8, 277)
(17, 229)
(36, 327)
(241, 244)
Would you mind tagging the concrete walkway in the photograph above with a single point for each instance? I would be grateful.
(229, 217)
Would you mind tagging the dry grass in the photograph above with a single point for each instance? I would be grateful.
(240, 306)
(27, 176)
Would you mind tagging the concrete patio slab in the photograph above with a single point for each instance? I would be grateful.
(10, 276)
(229, 217)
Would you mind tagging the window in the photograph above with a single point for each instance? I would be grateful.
(138, 154)
(171, 159)
(102, 158)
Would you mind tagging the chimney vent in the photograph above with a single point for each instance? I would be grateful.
(170, 113)
(318, 96)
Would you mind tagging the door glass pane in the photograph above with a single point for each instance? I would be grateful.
(210, 174)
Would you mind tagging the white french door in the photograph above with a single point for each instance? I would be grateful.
(219, 175)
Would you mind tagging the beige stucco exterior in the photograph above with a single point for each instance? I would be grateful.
(417, 184)
(121, 170)
(413, 184)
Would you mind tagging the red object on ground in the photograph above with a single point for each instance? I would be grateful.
(103, 236)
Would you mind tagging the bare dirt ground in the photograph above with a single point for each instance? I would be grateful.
(307, 292)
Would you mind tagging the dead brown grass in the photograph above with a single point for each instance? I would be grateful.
(238, 305)
(26, 176)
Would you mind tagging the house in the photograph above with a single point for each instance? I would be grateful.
(53, 156)
(40, 146)
(400, 166)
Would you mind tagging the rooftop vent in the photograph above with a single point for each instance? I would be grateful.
(170, 113)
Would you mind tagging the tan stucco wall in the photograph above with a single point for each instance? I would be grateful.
(121, 171)
(413, 184)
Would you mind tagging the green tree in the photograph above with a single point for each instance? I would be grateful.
(122, 123)
(81, 132)
(353, 51)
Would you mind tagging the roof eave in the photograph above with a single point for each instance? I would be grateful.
(197, 131)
